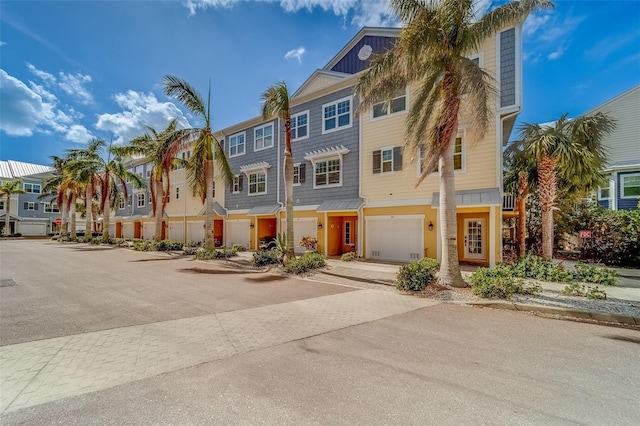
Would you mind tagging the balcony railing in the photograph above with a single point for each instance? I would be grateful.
(509, 202)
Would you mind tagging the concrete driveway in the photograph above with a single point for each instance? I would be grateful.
(299, 352)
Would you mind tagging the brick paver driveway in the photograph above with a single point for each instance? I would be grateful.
(81, 318)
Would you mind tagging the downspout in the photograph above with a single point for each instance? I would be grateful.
(278, 216)
(360, 194)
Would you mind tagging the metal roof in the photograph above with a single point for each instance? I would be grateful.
(217, 209)
(263, 210)
(339, 205)
(478, 197)
(16, 169)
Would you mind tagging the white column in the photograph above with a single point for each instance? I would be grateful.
(492, 236)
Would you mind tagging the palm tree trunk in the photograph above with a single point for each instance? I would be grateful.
(159, 209)
(547, 185)
(88, 211)
(449, 264)
(72, 216)
(106, 215)
(209, 244)
(288, 186)
(7, 218)
(523, 190)
(64, 225)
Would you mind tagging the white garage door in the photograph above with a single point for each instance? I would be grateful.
(238, 232)
(397, 238)
(176, 232)
(127, 230)
(112, 230)
(301, 228)
(195, 231)
(33, 229)
(148, 231)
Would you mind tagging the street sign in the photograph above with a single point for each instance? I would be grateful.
(585, 234)
(58, 221)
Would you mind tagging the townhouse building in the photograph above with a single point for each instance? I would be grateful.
(31, 213)
(622, 189)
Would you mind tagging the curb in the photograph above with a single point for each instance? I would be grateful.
(574, 313)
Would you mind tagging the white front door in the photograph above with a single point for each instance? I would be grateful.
(473, 239)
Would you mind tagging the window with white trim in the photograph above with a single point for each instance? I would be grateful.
(300, 126)
(32, 188)
(236, 185)
(630, 185)
(458, 156)
(299, 173)
(148, 171)
(140, 199)
(51, 207)
(138, 170)
(263, 137)
(328, 173)
(387, 160)
(347, 233)
(604, 191)
(397, 104)
(121, 202)
(236, 144)
(336, 115)
(1, 203)
(31, 206)
(177, 192)
(257, 183)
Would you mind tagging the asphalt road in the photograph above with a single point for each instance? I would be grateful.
(443, 364)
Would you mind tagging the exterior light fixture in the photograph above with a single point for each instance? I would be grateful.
(430, 226)
(319, 225)
(252, 225)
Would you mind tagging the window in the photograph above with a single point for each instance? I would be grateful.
(140, 199)
(121, 203)
(299, 173)
(1, 203)
(631, 186)
(213, 189)
(30, 205)
(148, 172)
(387, 160)
(177, 193)
(603, 190)
(458, 156)
(138, 170)
(257, 183)
(236, 145)
(300, 126)
(51, 207)
(397, 104)
(236, 185)
(347, 232)
(263, 137)
(336, 115)
(32, 188)
(328, 173)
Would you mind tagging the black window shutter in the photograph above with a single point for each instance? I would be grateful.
(241, 180)
(26, 206)
(397, 158)
(230, 187)
(35, 206)
(303, 173)
(377, 161)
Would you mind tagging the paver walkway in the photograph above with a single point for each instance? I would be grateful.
(47, 370)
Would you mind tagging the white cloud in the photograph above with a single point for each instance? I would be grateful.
(78, 133)
(71, 84)
(548, 35)
(140, 109)
(3, 43)
(295, 54)
(26, 110)
(558, 52)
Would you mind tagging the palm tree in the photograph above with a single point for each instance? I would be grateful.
(206, 149)
(7, 189)
(161, 149)
(275, 102)
(567, 154)
(432, 55)
(52, 186)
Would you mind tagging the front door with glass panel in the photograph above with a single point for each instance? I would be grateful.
(473, 241)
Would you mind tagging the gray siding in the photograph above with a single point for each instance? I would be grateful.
(39, 202)
(508, 68)
(269, 155)
(351, 64)
(625, 203)
(305, 194)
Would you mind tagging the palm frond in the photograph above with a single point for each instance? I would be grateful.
(186, 94)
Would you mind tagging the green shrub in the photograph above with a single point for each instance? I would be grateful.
(349, 257)
(203, 254)
(500, 282)
(304, 263)
(592, 293)
(535, 267)
(119, 242)
(55, 237)
(192, 244)
(595, 293)
(169, 245)
(144, 245)
(587, 273)
(238, 247)
(266, 257)
(189, 251)
(573, 289)
(415, 276)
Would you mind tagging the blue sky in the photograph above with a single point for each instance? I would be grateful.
(72, 70)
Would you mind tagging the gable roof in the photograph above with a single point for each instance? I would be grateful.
(614, 100)
(365, 31)
(15, 169)
(317, 75)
